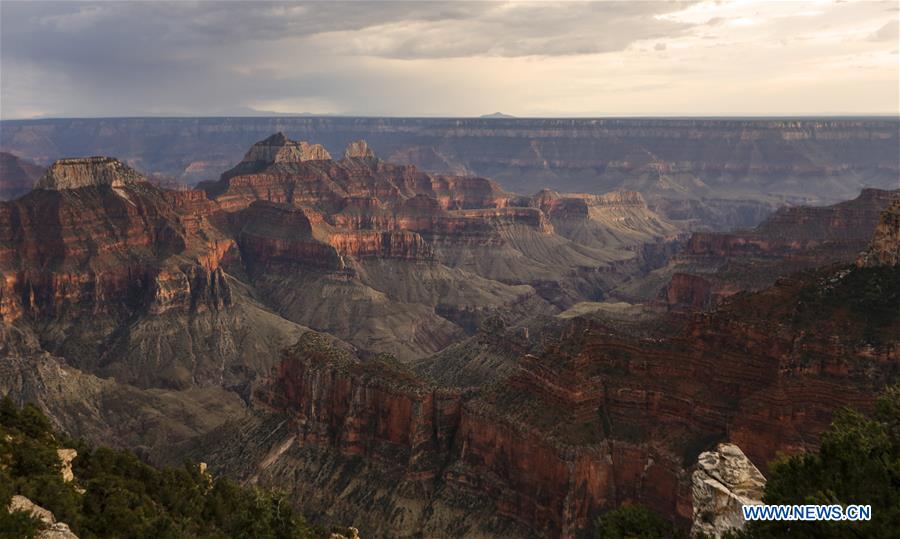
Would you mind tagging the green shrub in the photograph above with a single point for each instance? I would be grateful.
(858, 462)
(125, 497)
(633, 522)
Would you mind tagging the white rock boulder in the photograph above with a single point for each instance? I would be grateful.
(724, 480)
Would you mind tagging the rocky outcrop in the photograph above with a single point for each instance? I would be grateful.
(382, 245)
(618, 218)
(87, 172)
(279, 149)
(885, 247)
(358, 149)
(51, 529)
(66, 456)
(724, 481)
(99, 248)
(17, 176)
(122, 278)
(373, 410)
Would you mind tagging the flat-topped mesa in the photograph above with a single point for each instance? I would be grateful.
(358, 149)
(88, 172)
(619, 198)
(280, 149)
(551, 202)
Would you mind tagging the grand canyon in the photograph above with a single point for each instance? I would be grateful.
(448, 269)
(427, 353)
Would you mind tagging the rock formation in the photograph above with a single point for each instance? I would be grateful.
(87, 172)
(359, 219)
(279, 149)
(66, 456)
(95, 249)
(724, 481)
(885, 247)
(122, 277)
(51, 529)
(724, 173)
(686, 291)
(358, 149)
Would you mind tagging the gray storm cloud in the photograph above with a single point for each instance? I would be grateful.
(411, 58)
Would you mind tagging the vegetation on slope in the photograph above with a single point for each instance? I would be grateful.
(858, 462)
(635, 522)
(124, 497)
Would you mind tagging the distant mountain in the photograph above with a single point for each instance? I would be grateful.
(497, 115)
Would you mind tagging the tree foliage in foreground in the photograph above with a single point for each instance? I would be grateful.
(858, 462)
(634, 522)
(124, 497)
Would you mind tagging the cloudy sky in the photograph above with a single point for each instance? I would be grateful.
(726, 57)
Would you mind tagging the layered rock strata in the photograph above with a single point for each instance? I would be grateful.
(713, 266)
(726, 173)
(588, 418)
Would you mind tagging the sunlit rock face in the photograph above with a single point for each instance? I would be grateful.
(87, 172)
(358, 149)
(724, 481)
(50, 528)
(279, 149)
(95, 249)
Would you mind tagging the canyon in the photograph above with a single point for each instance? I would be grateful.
(586, 416)
(712, 266)
(430, 353)
(721, 173)
(126, 279)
